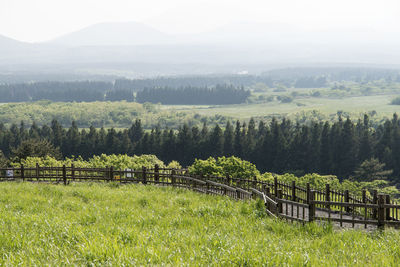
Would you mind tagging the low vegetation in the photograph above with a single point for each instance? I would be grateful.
(100, 114)
(227, 166)
(106, 224)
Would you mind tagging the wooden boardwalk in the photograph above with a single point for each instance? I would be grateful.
(282, 200)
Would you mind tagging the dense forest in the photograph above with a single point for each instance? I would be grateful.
(124, 89)
(192, 81)
(219, 95)
(87, 91)
(281, 146)
(78, 91)
(296, 77)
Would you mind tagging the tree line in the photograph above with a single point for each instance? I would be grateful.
(88, 91)
(191, 81)
(218, 95)
(79, 91)
(279, 146)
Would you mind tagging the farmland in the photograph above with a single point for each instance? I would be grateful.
(121, 114)
(106, 224)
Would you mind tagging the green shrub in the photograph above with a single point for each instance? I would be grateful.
(232, 166)
(117, 161)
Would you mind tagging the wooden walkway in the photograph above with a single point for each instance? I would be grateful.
(282, 200)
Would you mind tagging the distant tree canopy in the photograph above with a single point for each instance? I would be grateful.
(370, 170)
(192, 81)
(395, 101)
(105, 91)
(124, 89)
(343, 148)
(310, 82)
(78, 91)
(35, 148)
(219, 95)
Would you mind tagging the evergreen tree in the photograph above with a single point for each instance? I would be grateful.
(237, 142)
(216, 142)
(228, 140)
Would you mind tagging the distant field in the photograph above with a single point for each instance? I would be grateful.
(92, 224)
(122, 114)
(355, 106)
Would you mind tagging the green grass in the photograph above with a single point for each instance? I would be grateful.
(94, 224)
(325, 106)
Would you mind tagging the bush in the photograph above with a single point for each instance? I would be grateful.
(117, 161)
(395, 101)
(232, 166)
(285, 99)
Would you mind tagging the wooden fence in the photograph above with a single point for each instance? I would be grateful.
(283, 200)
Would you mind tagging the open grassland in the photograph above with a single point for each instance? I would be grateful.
(93, 224)
(122, 114)
(354, 106)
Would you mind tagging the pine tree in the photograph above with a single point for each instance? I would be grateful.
(348, 159)
(135, 132)
(237, 142)
(216, 142)
(228, 140)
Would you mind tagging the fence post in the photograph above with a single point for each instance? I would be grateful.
(308, 193)
(327, 196)
(64, 171)
(37, 171)
(387, 200)
(381, 211)
(293, 190)
(22, 172)
(237, 194)
(173, 177)
(279, 196)
(72, 172)
(311, 207)
(228, 179)
(111, 173)
(375, 201)
(156, 173)
(347, 200)
(255, 182)
(144, 175)
(267, 191)
(276, 186)
(208, 187)
(364, 196)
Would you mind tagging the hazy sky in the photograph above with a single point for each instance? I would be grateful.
(39, 20)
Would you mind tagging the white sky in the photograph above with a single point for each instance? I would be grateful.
(39, 20)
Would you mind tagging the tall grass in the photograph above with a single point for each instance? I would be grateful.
(108, 224)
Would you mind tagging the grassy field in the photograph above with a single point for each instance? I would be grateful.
(355, 106)
(92, 224)
(121, 114)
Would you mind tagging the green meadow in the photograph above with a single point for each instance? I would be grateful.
(108, 224)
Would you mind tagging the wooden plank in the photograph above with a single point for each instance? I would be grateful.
(292, 203)
(271, 214)
(255, 191)
(243, 191)
(291, 218)
(345, 204)
(222, 185)
(343, 220)
(191, 179)
(267, 199)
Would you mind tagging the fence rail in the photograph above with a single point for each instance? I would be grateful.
(284, 200)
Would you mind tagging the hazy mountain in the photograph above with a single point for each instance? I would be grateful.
(7, 44)
(114, 34)
(130, 46)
